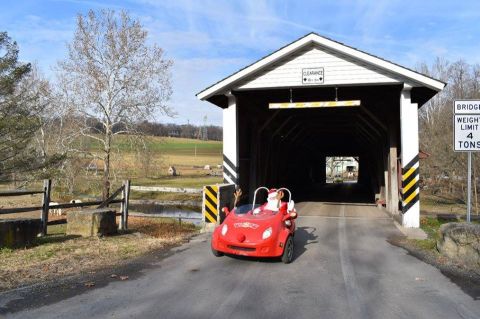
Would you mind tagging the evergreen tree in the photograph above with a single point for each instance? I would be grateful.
(19, 114)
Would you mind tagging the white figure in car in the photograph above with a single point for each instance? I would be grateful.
(273, 202)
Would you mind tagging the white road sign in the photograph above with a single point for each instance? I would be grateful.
(466, 107)
(466, 123)
(467, 133)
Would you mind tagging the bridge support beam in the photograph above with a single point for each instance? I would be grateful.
(230, 142)
(410, 177)
(386, 185)
(392, 199)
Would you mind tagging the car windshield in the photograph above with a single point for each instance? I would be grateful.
(243, 209)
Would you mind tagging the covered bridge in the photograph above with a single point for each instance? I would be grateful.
(284, 114)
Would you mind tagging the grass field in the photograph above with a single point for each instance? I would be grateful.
(162, 144)
(147, 168)
(187, 155)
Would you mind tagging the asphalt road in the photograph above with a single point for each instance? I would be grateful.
(343, 268)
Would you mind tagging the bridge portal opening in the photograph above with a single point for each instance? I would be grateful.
(341, 169)
(294, 147)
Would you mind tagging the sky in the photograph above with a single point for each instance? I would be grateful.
(209, 40)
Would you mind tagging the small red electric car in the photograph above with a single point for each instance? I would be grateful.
(258, 230)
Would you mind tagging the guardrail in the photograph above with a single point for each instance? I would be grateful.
(123, 191)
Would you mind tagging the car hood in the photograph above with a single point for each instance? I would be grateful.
(249, 228)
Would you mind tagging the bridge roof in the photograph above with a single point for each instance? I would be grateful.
(409, 76)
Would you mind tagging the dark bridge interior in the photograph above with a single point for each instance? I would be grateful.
(287, 147)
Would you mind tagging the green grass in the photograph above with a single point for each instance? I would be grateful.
(161, 144)
(5, 251)
(431, 226)
(180, 181)
(57, 229)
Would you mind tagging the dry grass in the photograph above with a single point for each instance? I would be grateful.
(20, 201)
(58, 255)
(186, 164)
(432, 204)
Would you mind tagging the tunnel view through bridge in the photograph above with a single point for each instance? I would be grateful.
(314, 99)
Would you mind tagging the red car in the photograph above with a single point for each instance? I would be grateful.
(258, 230)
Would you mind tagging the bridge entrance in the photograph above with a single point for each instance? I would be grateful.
(314, 99)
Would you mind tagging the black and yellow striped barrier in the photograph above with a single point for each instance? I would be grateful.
(210, 203)
(306, 105)
(410, 184)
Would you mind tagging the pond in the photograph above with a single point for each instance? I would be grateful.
(186, 213)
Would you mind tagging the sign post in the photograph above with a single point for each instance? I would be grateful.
(469, 186)
(466, 136)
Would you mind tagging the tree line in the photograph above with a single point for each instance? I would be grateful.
(214, 133)
(444, 172)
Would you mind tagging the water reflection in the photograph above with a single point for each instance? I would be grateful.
(187, 213)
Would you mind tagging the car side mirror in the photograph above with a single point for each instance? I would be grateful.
(291, 215)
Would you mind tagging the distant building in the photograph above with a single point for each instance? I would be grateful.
(341, 166)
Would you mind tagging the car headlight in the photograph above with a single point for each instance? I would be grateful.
(267, 233)
(224, 229)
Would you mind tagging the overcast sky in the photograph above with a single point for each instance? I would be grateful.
(208, 40)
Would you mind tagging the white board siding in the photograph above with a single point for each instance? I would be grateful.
(338, 70)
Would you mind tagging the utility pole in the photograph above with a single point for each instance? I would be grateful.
(204, 131)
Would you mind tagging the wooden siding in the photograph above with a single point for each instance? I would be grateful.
(338, 70)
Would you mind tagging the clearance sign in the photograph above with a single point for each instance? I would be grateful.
(466, 122)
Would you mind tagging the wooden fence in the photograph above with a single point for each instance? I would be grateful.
(123, 191)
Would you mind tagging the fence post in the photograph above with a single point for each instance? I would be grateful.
(47, 185)
(124, 205)
(121, 224)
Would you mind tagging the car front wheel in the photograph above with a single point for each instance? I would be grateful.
(216, 253)
(287, 255)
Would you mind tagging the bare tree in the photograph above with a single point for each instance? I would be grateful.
(332, 165)
(51, 130)
(445, 171)
(113, 75)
